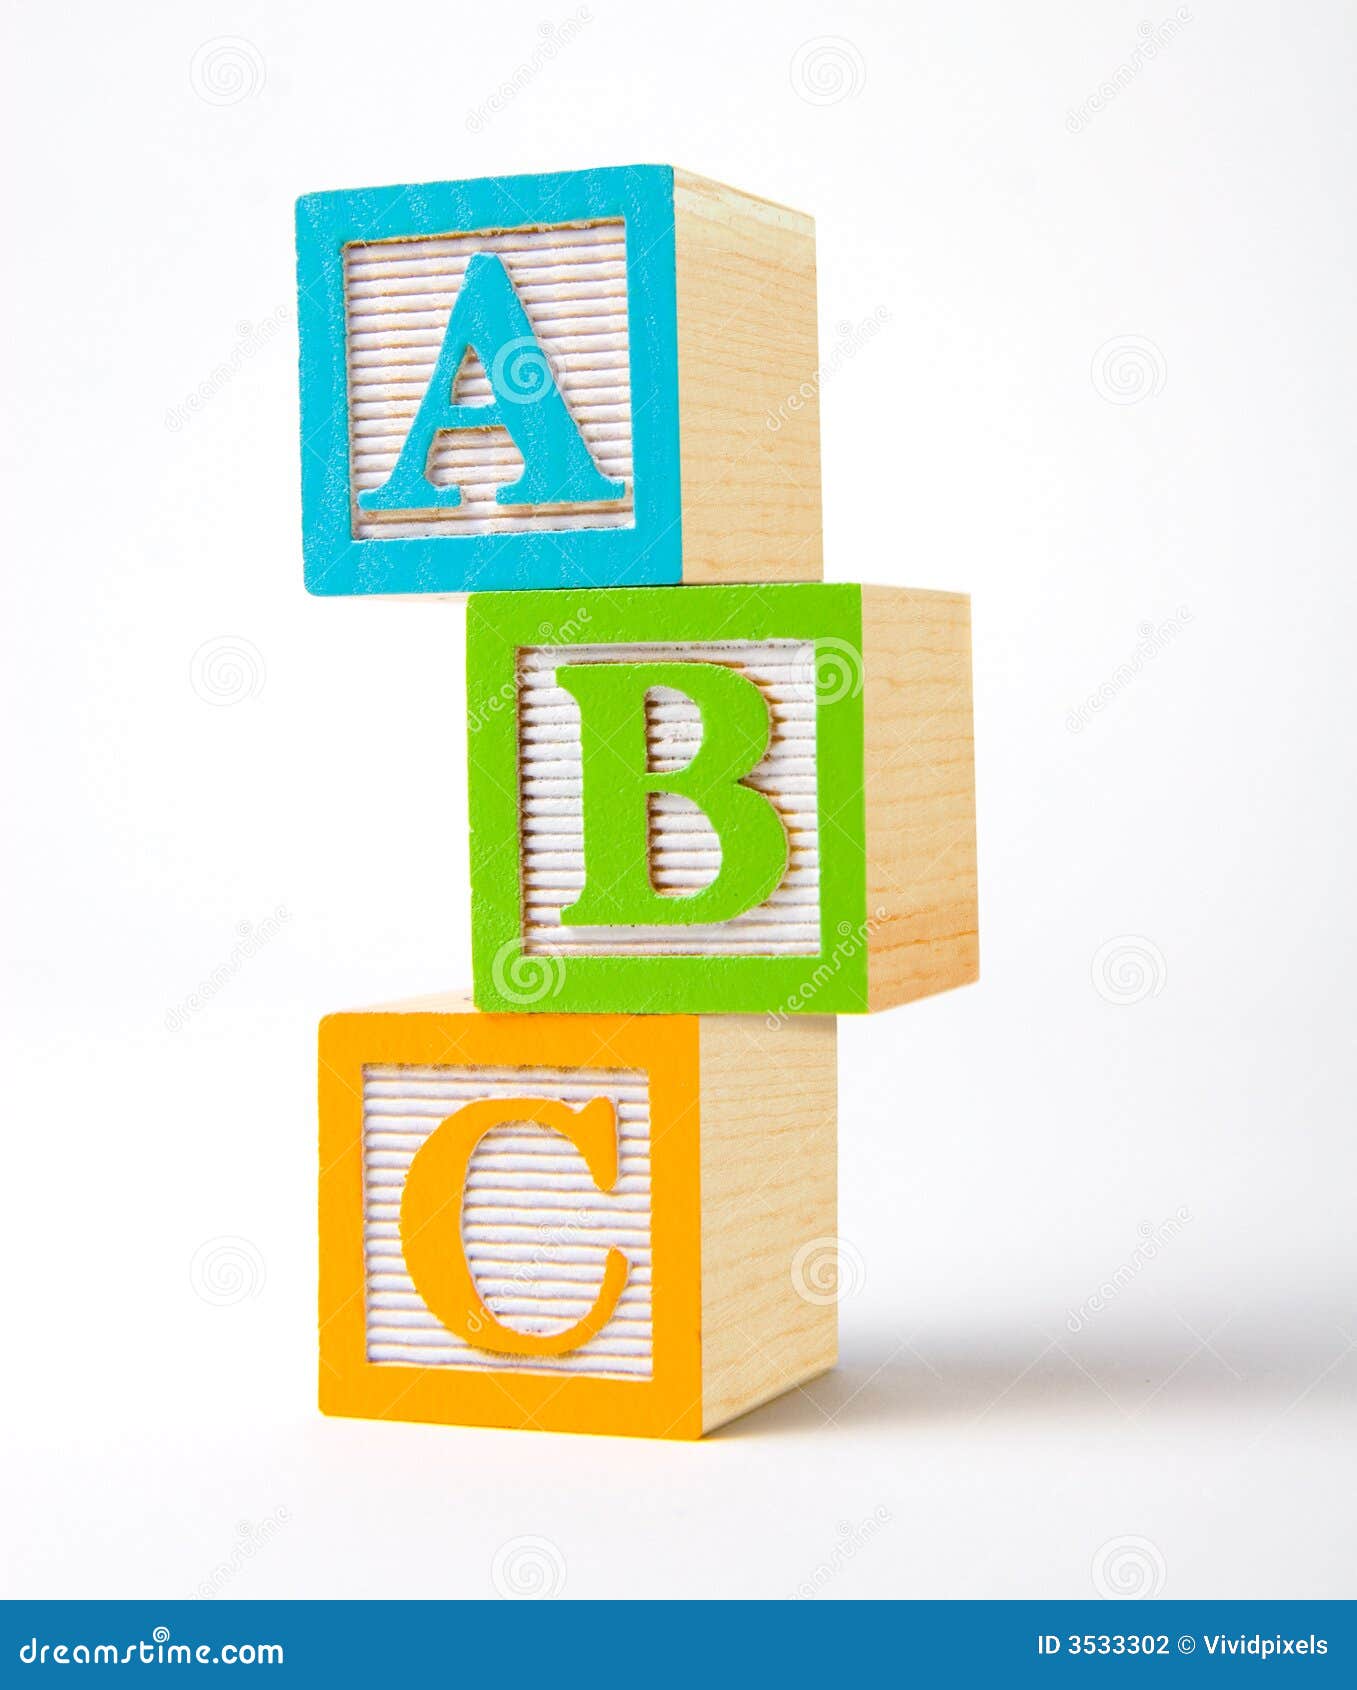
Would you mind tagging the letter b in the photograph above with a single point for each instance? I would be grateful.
(618, 782)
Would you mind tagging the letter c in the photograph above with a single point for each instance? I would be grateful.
(431, 1219)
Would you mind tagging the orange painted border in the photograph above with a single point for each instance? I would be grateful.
(665, 1047)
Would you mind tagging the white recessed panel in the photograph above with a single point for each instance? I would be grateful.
(685, 853)
(535, 1227)
(398, 296)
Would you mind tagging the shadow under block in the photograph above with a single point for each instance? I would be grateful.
(586, 1223)
(751, 800)
(596, 377)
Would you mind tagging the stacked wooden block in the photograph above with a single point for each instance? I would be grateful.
(714, 801)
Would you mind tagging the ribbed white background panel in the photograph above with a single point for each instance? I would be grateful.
(685, 854)
(572, 282)
(535, 1227)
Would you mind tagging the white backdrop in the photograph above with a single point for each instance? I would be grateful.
(1111, 397)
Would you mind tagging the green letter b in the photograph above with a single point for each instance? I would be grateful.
(618, 781)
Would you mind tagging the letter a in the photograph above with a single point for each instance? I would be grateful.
(557, 468)
(618, 782)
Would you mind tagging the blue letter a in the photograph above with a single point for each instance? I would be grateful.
(557, 468)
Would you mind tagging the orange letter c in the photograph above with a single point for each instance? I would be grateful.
(431, 1219)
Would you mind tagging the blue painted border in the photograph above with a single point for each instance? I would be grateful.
(647, 554)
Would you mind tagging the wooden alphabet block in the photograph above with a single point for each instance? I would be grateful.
(591, 378)
(587, 1223)
(720, 799)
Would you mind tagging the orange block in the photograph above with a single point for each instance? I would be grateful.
(599, 1223)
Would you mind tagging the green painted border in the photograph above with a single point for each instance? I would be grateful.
(498, 624)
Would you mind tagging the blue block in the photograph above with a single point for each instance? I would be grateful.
(563, 519)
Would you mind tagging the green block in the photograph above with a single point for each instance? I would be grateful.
(557, 771)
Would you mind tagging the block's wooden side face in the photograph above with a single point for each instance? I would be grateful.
(510, 1222)
(749, 382)
(489, 375)
(921, 857)
(769, 1209)
(646, 840)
